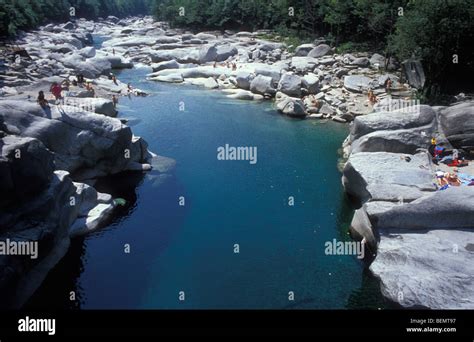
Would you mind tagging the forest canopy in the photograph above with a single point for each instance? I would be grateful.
(27, 14)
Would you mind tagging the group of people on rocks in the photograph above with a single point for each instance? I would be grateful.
(388, 89)
(229, 65)
(57, 89)
(452, 159)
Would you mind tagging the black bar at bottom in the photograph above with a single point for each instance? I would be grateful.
(267, 322)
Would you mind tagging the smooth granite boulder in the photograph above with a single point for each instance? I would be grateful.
(290, 84)
(173, 64)
(357, 83)
(303, 50)
(290, 105)
(243, 79)
(385, 176)
(451, 208)
(396, 141)
(457, 123)
(185, 55)
(319, 51)
(427, 269)
(414, 73)
(421, 116)
(304, 64)
(262, 85)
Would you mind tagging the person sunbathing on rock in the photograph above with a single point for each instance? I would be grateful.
(452, 179)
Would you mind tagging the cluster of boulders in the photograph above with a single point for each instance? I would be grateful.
(313, 81)
(422, 238)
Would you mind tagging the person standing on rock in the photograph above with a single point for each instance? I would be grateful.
(80, 79)
(372, 97)
(42, 100)
(115, 101)
(56, 91)
(388, 85)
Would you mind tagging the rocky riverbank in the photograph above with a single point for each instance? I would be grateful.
(422, 238)
(52, 154)
(313, 81)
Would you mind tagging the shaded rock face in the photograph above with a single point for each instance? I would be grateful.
(85, 144)
(43, 218)
(414, 73)
(26, 168)
(457, 123)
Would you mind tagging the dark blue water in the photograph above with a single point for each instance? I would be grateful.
(191, 248)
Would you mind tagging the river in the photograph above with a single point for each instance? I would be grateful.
(189, 252)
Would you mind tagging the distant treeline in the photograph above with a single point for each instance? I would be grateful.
(27, 14)
(435, 31)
